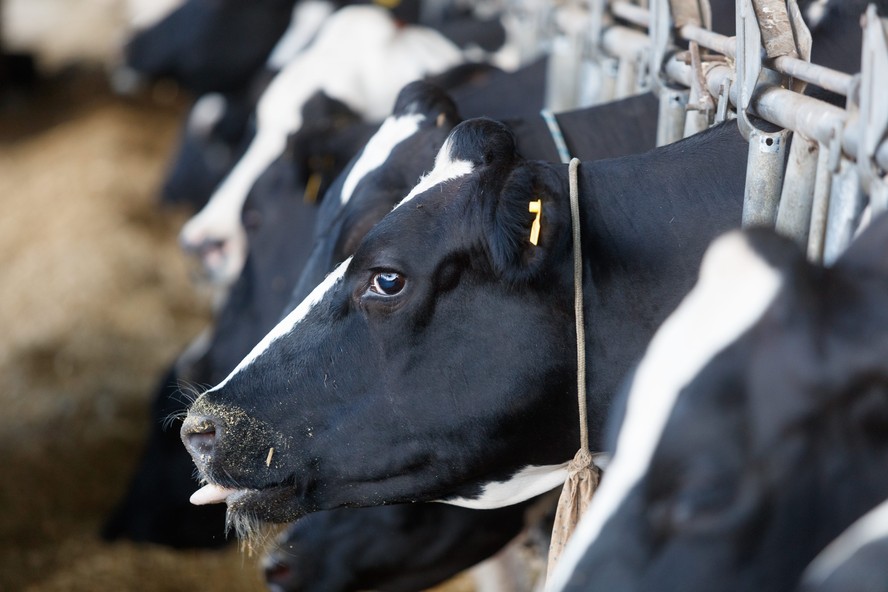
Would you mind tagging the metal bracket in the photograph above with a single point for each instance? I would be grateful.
(667, 16)
(766, 28)
(873, 119)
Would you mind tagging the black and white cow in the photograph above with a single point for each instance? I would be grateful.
(210, 46)
(398, 548)
(855, 561)
(280, 226)
(213, 137)
(438, 362)
(755, 429)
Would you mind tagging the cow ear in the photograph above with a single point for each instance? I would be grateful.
(528, 223)
(506, 185)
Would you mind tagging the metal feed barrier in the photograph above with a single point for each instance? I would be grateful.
(817, 175)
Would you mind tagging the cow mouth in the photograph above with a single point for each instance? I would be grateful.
(268, 504)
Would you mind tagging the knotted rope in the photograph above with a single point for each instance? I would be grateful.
(582, 475)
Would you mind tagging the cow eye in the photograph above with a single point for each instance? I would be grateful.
(387, 283)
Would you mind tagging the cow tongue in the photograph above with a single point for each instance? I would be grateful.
(210, 494)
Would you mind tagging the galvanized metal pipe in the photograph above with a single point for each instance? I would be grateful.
(831, 80)
(609, 68)
(561, 80)
(813, 118)
(797, 197)
(631, 13)
(671, 117)
(819, 205)
(623, 42)
(846, 204)
(709, 40)
(765, 167)
(627, 77)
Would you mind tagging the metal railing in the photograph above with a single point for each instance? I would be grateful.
(816, 178)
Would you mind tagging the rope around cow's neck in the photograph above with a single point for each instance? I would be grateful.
(578, 305)
(582, 475)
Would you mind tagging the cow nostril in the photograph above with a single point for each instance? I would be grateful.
(200, 436)
(278, 573)
(209, 247)
(201, 248)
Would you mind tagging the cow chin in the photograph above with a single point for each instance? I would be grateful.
(249, 509)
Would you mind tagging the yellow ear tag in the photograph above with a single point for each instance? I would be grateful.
(312, 188)
(535, 207)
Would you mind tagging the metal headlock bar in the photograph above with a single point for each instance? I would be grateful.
(824, 166)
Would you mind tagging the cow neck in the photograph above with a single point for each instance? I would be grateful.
(584, 457)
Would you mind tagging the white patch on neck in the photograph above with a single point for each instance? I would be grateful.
(289, 322)
(393, 131)
(206, 112)
(870, 527)
(735, 288)
(444, 170)
(523, 485)
(308, 17)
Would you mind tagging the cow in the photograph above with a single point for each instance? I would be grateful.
(210, 47)
(418, 368)
(855, 561)
(517, 98)
(365, 74)
(214, 136)
(399, 548)
(280, 226)
(755, 426)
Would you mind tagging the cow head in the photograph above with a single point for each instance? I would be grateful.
(378, 177)
(755, 428)
(214, 136)
(210, 45)
(218, 235)
(378, 388)
(399, 547)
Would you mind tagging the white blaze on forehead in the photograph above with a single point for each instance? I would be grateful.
(735, 288)
(290, 321)
(445, 169)
(871, 527)
(393, 131)
(530, 481)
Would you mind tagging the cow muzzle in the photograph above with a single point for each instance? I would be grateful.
(200, 435)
